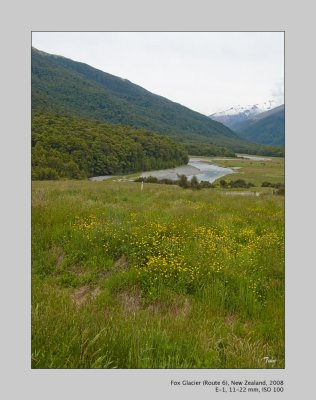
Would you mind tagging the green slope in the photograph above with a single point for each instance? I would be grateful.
(266, 128)
(67, 87)
(60, 84)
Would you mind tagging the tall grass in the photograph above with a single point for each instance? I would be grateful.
(159, 278)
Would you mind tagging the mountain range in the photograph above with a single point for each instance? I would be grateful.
(265, 128)
(258, 123)
(67, 87)
(235, 115)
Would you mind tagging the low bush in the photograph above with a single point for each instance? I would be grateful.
(182, 182)
(239, 183)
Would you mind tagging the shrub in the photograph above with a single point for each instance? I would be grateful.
(206, 185)
(273, 185)
(151, 179)
(183, 181)
(194, 183)
(266, 184)
(39, 173)
(239, 183)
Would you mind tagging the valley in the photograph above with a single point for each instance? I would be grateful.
(157, 232)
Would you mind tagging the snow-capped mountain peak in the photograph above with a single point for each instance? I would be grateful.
(240, 113)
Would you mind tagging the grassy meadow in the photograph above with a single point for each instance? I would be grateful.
(161, 278)
(257, 172)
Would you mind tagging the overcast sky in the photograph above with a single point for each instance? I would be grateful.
(205, 71)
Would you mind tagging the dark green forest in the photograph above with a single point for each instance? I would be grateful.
(204, 148)
(70, 147)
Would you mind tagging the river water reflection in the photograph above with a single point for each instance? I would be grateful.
(200, 167)
(208, 172)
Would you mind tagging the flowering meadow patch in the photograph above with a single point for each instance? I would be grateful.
(158, 278)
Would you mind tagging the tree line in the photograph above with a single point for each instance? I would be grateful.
(74, 148)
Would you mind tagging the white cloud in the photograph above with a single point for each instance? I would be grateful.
(277, 92)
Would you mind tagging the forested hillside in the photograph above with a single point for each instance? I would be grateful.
(70, 147)
(67, 87)
(60, 84)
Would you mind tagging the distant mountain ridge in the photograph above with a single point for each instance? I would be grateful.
(235, 115)
(265, 128)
